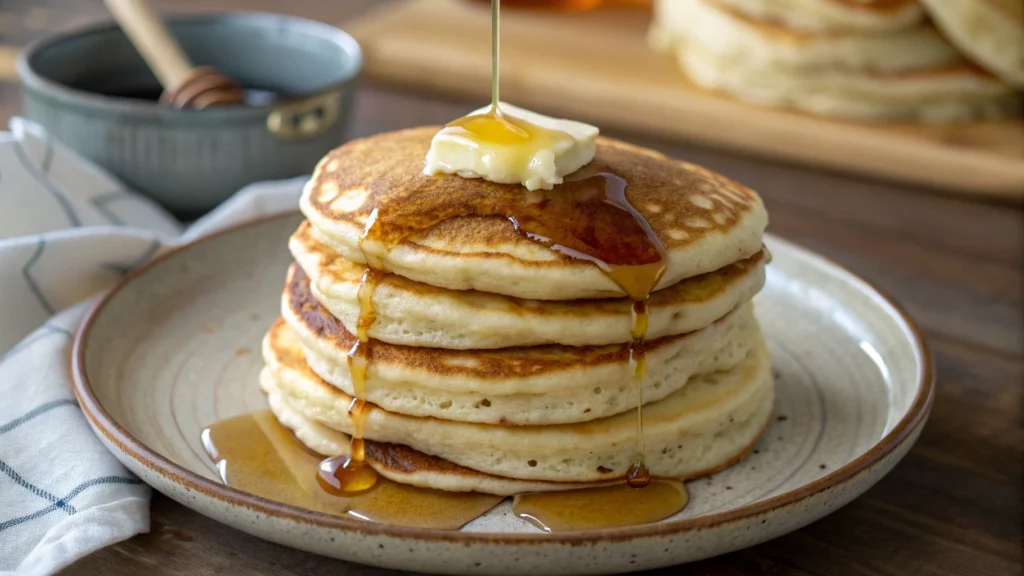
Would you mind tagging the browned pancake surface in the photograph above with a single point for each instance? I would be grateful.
(682, 202)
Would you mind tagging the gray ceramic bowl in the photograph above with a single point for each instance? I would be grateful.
(85, 88)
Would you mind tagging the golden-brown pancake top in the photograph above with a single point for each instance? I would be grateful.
(682, 202)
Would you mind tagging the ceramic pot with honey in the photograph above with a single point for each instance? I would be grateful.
(93, 92)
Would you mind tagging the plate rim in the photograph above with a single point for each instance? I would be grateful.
(135, 449)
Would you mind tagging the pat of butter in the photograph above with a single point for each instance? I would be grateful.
(531, 149)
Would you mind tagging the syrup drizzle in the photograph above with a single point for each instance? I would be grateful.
(495, 53)
(638, 476)
(496, 132)
(346, 475)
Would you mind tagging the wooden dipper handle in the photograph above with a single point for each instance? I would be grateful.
(153, 41)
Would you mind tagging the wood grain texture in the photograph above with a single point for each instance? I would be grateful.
(598, 67)
(953, 506)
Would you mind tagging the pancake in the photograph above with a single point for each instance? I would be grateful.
(717, 28)
(704, 220)
(705, 425)
(719, 50)
(401, 463)
(991, 32)
(953, 94)
(407, 466)
(533, 385)
(410, 313)
(863, 16)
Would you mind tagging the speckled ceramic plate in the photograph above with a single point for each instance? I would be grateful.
(175, 347)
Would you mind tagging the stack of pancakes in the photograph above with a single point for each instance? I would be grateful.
(865, 60)
(497, 364)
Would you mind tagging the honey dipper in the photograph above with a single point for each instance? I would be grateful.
(185, 86)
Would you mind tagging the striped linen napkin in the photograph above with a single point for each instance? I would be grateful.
(68, 230)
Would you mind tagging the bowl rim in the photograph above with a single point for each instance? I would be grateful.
(33, 80)
(131, 447)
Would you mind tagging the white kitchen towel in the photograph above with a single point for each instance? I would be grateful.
(68, 230)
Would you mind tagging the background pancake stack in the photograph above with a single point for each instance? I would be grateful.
(876, 60)
(496, 364)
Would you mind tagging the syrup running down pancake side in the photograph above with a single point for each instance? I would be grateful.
(345, 475)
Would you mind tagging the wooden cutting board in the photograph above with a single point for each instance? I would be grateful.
(596, 67)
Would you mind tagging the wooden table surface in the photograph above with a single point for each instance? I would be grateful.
(952, 507)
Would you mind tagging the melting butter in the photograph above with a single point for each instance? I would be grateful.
(510, 145)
